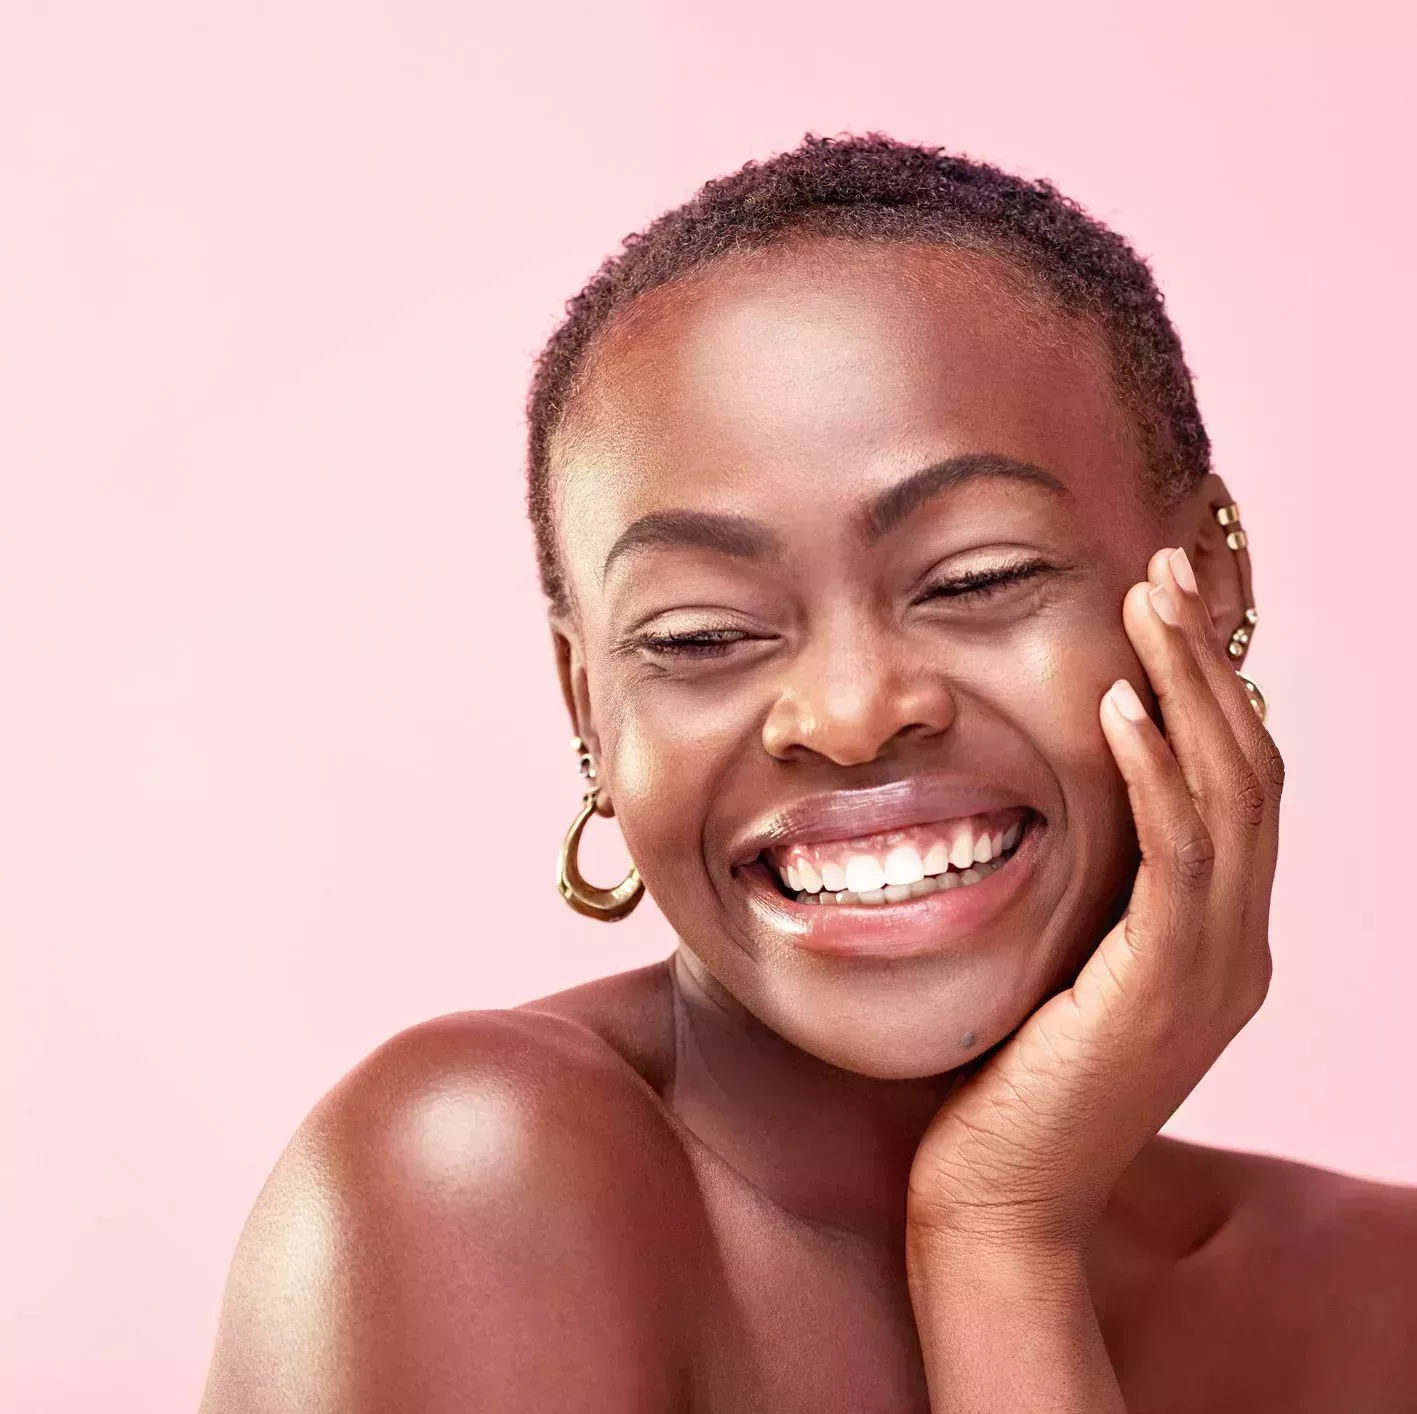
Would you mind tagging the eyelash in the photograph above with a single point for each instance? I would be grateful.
(706, 643)
(979, 584)
(713, 643)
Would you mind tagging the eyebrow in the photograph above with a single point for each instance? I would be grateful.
(704, 530)
(751, 540)
(897, 502)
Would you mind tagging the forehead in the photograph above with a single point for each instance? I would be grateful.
(830, 370)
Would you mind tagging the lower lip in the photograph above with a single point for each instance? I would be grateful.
(942, 922)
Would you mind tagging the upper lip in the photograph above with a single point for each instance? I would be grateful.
(846, 814)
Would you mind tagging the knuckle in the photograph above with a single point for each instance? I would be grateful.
(1251, 799)
(1252, 987)
(1193, 856)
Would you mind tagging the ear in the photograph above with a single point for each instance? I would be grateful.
(1223, 574)
(575, 692)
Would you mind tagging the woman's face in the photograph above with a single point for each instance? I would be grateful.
(847, 528)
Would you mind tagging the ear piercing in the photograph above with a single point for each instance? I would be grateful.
(607, 905)
(1237, 541)
(1229, 515)
(585, 762)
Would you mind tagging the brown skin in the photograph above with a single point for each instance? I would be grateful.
(758, 1178)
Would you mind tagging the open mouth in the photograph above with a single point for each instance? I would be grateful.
(896, 866)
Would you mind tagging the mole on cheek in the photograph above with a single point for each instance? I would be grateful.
(967, 1040)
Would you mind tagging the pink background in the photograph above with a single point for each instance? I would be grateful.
(284, 768)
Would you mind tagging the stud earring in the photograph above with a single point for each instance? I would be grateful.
(585, 762)
(1237, 541)
(607, 905)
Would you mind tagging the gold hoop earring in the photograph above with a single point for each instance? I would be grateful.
(1237, 541)
(608, 905)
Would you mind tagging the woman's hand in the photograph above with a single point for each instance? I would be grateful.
(1014, 1171)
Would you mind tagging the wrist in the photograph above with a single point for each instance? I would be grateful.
(1008, 1324)
(1003, 1261)
(1035, 1229)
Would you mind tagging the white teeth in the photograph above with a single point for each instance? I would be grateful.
(904, 866)
(962, 850)
(864, 874)
(964, 857)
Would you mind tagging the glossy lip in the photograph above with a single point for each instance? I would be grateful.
(850, 814)
(940, 922)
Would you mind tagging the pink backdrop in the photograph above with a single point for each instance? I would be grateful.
(283, 767)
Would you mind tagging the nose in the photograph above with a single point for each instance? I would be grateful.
(851, 701)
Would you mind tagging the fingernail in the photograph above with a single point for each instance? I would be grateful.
(1164, 605)
(1125, 700)
(1181, 567)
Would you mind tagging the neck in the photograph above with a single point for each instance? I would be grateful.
(825, 1144)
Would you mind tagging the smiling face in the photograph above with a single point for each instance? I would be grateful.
(847, 529)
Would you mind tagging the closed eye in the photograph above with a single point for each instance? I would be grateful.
(698, 643)
(981, 583)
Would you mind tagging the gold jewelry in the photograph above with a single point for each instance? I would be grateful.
(585, 762)
(1240, 640)
(608, 905)
(1256, 697)
(1236, 540)
(1229, 515)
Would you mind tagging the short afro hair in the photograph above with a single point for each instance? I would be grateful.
(874, 188)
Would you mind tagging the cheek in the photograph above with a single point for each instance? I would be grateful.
(1058, 683)
(664, 760)
(1059, 679)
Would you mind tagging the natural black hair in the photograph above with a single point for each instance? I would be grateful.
(876, 189)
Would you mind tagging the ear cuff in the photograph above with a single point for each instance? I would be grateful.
(1237, 542)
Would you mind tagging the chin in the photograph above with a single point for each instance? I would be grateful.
(899, 1024)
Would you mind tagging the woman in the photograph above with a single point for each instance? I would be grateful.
(897, 612)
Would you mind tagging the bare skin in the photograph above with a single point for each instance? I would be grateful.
(764, 1175)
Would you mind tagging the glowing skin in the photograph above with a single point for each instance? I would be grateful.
(846, 678)
(856, 1158)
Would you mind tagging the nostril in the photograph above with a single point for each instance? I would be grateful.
(851, 720)
(922, 729)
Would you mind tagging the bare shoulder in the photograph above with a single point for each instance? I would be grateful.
(1337, 1227)
(476, 1216)
(1319, 1268)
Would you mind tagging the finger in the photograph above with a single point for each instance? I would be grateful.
(1172, 570)
(1216, 770)
(1177, 851)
